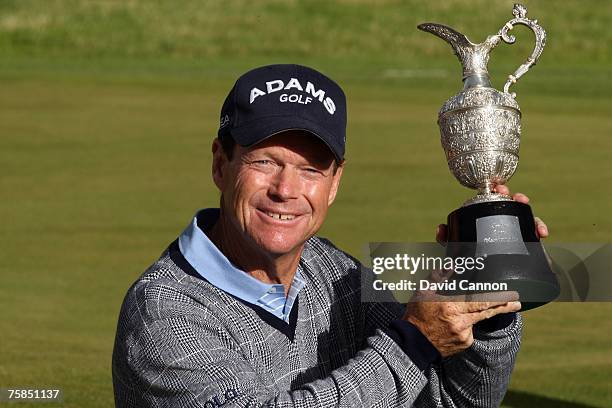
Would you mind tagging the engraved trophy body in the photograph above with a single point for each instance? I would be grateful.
(480, 130)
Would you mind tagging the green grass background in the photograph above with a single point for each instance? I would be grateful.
(107, 113)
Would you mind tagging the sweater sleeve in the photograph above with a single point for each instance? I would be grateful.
(476, 377)
(184, 358)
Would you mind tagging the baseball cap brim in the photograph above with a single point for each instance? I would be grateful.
(260, 130)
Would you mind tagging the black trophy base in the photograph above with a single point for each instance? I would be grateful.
(503, 233)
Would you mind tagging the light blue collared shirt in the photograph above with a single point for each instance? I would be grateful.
(213, 266)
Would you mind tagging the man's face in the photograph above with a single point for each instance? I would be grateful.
(275, 195)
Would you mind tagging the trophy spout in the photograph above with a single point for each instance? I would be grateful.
(473, 57)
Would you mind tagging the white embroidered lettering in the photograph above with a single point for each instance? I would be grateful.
(255, 93)
(329, 105)
(274, 86)
(295, 98)
(294, 83)
(317, 94)
(278, 84)
(224, 121)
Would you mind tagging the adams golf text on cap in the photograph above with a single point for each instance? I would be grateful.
(271, 99)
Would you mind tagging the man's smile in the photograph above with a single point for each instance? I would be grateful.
(283, 217)
(276, 215)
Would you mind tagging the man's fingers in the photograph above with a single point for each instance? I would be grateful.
(488, 313)
(433, 296)
(483, 301)
(471, 303)
(499, 297)
(502, 189)
(493, 304)
(477, 307)
(541, 227)
(521, 198)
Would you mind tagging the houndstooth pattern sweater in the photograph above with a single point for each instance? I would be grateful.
(182, 342)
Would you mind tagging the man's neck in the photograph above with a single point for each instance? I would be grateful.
(267, 268)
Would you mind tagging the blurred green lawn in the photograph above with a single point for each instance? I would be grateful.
(104, 148)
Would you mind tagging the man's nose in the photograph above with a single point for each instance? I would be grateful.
(285, 184)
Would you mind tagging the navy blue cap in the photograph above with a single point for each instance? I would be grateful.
(269, 100)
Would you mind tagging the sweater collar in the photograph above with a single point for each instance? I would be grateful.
(210, 263)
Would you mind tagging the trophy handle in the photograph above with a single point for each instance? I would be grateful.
(520, 12)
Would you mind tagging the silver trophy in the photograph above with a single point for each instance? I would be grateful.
(480, 130)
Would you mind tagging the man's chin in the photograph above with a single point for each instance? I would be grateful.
(278, 249)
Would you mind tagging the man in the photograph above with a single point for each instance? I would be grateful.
(249, 308)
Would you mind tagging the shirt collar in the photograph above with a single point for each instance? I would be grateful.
(213, 265)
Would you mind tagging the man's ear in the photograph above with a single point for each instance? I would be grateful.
(218, 163)
(335, 183)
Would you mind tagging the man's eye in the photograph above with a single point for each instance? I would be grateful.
(263, 162)
(312, 171)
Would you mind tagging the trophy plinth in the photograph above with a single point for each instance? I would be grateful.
(480, 129)
(505, 233)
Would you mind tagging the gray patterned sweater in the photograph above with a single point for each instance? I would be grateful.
(182, 342)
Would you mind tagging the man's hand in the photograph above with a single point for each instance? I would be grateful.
(447, 323)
